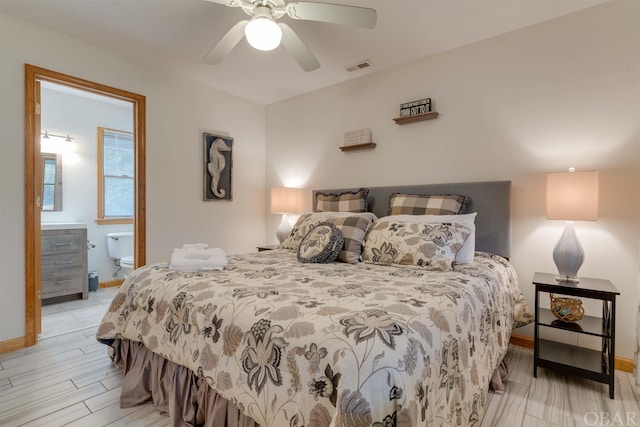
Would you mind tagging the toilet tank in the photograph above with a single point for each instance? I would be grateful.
(120, 245)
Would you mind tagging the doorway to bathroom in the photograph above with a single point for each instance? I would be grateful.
(63, 105)
(92, 198)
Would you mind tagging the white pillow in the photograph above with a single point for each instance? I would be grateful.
(465, 254)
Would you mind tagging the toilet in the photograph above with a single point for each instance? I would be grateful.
(120, 246)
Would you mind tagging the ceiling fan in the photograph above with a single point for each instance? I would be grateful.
(264, 33)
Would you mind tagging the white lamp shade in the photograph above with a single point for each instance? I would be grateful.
(573, 196)
(263, 33)
(285, 200)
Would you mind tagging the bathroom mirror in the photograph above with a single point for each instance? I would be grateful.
(51, 182)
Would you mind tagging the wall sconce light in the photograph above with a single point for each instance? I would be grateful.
(571, 196)
(47, 135)
(285, 200)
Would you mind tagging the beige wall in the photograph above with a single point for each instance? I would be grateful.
(558, 94)
(178, 111)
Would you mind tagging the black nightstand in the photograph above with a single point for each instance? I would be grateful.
(583, 362)
(267, 247)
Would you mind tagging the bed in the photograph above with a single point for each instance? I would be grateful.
(272, 341)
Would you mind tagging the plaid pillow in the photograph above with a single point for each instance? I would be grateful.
(354, 228)
(417, 204)
(347, 201)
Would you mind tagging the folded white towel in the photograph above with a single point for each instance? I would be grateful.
(198, 259)
(203, 254)
(195, 246)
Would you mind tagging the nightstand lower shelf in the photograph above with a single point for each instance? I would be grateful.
(573, 360)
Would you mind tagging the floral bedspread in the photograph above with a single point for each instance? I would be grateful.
(336, 344)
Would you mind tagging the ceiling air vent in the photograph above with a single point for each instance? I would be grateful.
(359, 66)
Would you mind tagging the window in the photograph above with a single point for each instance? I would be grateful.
(51, 182)
(115, 176)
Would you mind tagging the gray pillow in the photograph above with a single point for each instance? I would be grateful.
(322, 244)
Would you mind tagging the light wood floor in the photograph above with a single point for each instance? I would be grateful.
(68, 380)
(77, 314)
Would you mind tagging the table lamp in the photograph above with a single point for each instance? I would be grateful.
(571, 196)
(285, 200)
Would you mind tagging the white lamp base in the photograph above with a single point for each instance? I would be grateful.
(284, 229)
(568, 254)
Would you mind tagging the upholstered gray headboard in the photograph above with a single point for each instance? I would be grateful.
(491, 200)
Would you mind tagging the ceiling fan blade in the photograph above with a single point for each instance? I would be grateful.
(230, 3)
(333, 13)
(226, 44)
(296, 47)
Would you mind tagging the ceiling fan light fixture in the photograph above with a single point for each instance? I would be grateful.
(262, 32)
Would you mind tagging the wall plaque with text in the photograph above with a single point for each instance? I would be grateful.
(413, 108)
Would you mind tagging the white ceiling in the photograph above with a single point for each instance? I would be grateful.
(175, 35)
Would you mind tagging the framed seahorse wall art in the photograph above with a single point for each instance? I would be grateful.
(218, 163)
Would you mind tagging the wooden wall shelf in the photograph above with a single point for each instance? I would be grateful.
(417, 118)
(367, 146)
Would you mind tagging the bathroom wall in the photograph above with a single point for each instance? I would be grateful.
(80, 114)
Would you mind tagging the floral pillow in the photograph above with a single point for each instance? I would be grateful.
(432, 246)
(321, 245)
(303, 225)
(467, 252)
